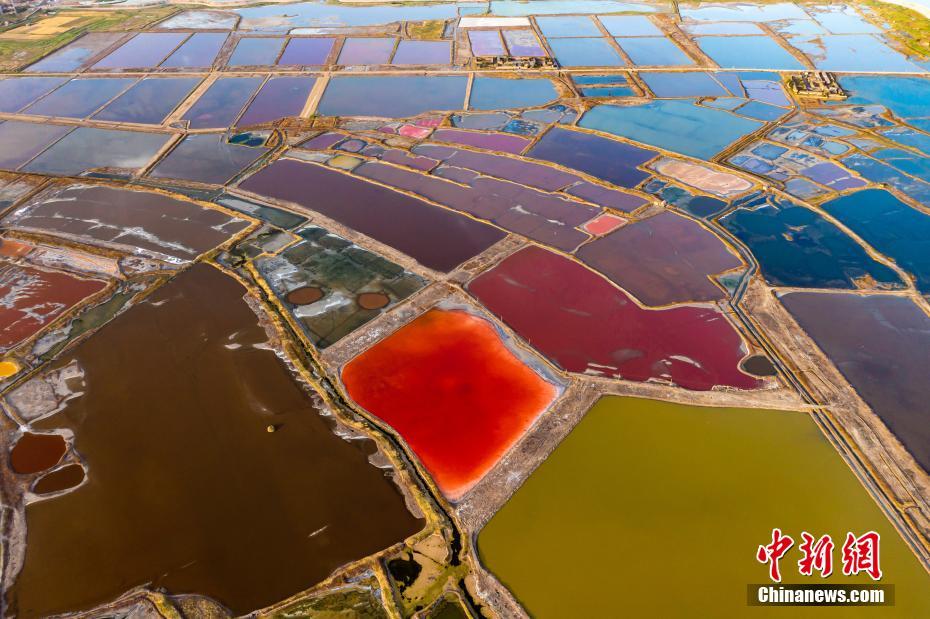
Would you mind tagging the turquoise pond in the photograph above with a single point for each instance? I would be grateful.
(853, 52)
(748, 52)
(570, 26)
(654, 51)
(890, 226)
(906, 97)
(680, 85)
(630, 26)
(586, 53)
(676, 125)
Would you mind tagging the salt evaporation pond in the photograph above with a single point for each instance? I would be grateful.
(332, 286)
(892, 227)
(437, 238)
(497, 93)
(221, 104)
(88, 148)
(615, 501)
(676, 125)
(279, 97)
(186, 488)
(663, 260)
(392, 96)
(798, 247)
(880, 346)
(149, 101)
(582, 323)
(654, 51)
(748, 52)
(147, 49)
(74, 55)
(306, 52)
(256, 51)
(456, 393)
(610, 160)
(326, 15)
(198, 52)
(34, 297)
(17, 92)
(22, 141)
(206, 158)
(80, 97)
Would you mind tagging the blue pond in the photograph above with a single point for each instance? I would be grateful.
(750, 52)
(497, 93)
(630, 26)
(676, 125)
(398, 96)
(676, 85)
(585, 53)
(881, 172)
(280, 17)
(905, 96)
(852, 52)
(891, 227)
(654, 51)
(573, 26)
(798, 247)
(520, 8)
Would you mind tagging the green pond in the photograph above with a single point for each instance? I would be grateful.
(652, 509)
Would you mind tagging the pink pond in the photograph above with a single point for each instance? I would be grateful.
(583, 324)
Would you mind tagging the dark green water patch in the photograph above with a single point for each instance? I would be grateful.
(332, 286)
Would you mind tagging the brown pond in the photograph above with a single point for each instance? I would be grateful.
(304, 295)
(37, 452)
(66, 477)
(372, 300)
(186, 489)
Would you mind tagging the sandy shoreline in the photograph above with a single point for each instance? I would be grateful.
(921, 7)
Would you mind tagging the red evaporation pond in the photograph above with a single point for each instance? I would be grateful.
(452, 389)
(35, 297)
(582, 323)
(603, 224)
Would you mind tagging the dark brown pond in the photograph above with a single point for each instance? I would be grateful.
(186, 489)
(758, 365)
(37, 452)
(372, 300)
(304, 295)
(62, 479)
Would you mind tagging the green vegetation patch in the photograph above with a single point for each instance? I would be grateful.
(909, 29)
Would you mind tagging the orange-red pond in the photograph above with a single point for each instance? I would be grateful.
(456, 393)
